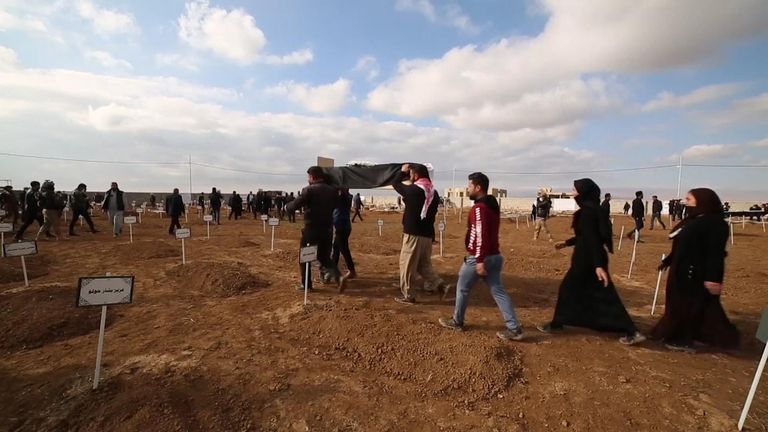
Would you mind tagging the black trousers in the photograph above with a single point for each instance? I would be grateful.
(322, 237)
(341, 247)
(29, 220)
(216, 213)
(292, 216)
(76, 215)
(357, 215)
(175, 224)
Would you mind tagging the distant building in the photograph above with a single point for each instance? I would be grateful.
(456, 194)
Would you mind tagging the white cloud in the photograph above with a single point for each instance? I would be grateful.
(326, 98)
(12, 22)
(450, 14)
(699, 96)
(580, 39)
(704, 152)
(107, 22)
(189, 63)
(759, 143)
(748, 110)
(299, 57)
(231, 34)
(369, 66)
(107, 60)
(8, 59)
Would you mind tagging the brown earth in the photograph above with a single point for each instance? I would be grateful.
(225, 343)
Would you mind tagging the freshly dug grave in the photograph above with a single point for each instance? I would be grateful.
(11, 270)
(220, 279)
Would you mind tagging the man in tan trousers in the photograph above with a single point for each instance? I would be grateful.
(543, 207)
(421, 205)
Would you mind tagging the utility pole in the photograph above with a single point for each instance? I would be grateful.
(679, 175)
(190, 178)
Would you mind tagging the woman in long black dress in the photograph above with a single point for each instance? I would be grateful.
(696, 266)
(587, 297)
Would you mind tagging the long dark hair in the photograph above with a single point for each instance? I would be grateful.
(589, 198)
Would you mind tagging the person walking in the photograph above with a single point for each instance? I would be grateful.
(248, 202)
(52, 206)
(587, 296)
(201, 203)
(10, 204)
(291, 214)
(421, 204)
(358, 204)
(638, 214)
(626, 208)
(693, 311)
(176, 209)
(342, 226)
(606, 204)
(80, 207)
(235, 206)
(656, 208)
(114, 205)
(32, 212)
(543, 207)
(672, 209)
(484, 260)
(318, 200)
(215, 199)
(280, 205)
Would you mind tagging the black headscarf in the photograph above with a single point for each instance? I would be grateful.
(589, 197)
(707, 203)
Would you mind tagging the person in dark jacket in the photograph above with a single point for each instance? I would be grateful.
(587, 297)
(672, 208)
(693, 311)
(656, 207)
(626, 208)
(32, 211)
(543, 207)
(10, 204)
(358, 204)
(638, 214)
(421, 205)
(606, 205)
(484, 260)
(342, 226)
(318, 201)
(201, 203)
(114, 206)
(291, 214)
(80, 206)
(176, 209)
(215, 200)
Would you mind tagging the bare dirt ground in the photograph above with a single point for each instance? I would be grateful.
(226, 344)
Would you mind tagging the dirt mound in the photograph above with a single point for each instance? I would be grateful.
(375, 247)
(182, 399)
(221, 279)
(39, 316)
(438, 363)
(11, 271)
(155, 250)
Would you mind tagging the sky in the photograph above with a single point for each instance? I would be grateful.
(535, 93)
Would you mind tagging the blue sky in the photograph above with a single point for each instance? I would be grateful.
(266, 86)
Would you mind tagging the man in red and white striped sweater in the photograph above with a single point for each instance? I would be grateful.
(484, 260)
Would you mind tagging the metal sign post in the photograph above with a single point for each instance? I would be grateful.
(139, 211)
(264, 219)
(306, 256)
(181, 234)
(208, 219)
(21, 249)
(103, 291)
(658, 282)
(273, 222)
(441, 228)
(130, 220)
(380, 223)
(621, 237)
(762, 335)
(634, 252)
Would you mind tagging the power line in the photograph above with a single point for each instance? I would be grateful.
(607, 170)
(725, 166)
(247, 171)
(90, 160)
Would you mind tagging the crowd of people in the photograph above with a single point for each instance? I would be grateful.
(587, 296)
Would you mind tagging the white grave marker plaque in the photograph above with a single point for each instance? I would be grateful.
(20, 249)
(183, 233)
(105, 290)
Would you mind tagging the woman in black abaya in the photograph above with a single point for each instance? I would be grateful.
(696, 266)
(587, 297)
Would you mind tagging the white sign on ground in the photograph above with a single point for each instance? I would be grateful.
(2, 213)
(274, 222)
(207, 218)
(183, 233)
(380, 222)
(104, 290)
(308, 254)
(441, 227)
(20, 249)
(129, 220)
(6, 227)
(264, 217)
(140, 210)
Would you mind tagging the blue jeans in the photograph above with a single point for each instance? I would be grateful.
(468, 278)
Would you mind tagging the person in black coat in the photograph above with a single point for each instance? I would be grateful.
(638, 214)
(32, 212)
(606, 205)
(175, 209)
(696, 265)
(215, 198)
(587, 297)
(656, 207)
